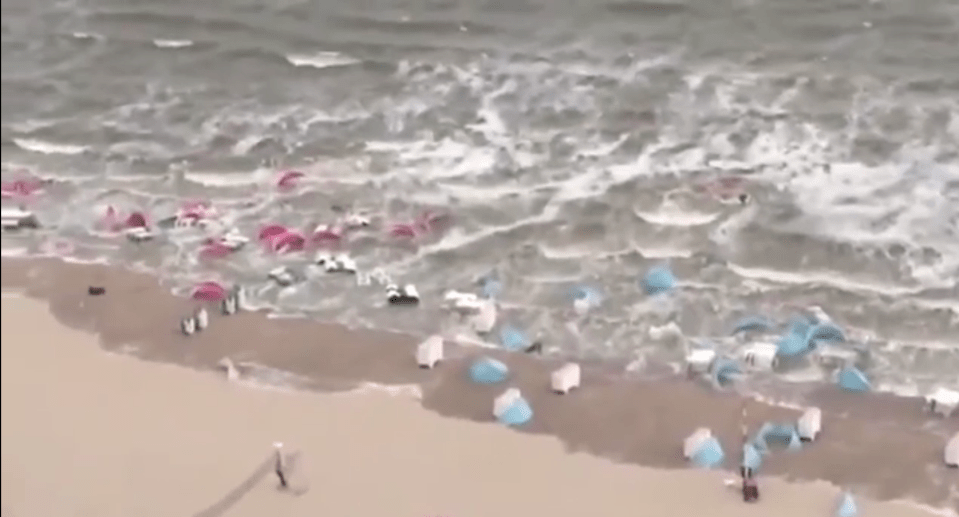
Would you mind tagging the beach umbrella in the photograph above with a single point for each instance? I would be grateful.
(753, 324)
(709, 454)
(851, 378)
(658, 280)
(847, 506)
(752, 457)
(513, 339)
(518, 413)
(488, 371)
(825, 332)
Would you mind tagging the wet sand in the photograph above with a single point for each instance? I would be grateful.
(882, 446)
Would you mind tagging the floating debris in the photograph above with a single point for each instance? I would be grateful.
(485, 319)
(809, 424)
(430, 352)
(512, 409)
(513, 339)
(943, 401)
(586, 298)
(951, 453)
(139, 234)
(658, 280)
(96, 291)
(209, 292)
(753, 324)
(407, 295)
(847, 506)
(566, 378)
(341, 263)
(488, 371)
(851, 378)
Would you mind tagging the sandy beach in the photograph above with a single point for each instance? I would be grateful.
(89, 433)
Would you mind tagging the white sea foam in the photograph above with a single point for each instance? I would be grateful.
(172, 43)
(321, 60)
(39, 146)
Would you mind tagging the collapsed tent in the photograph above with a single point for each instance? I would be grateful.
(851, 378)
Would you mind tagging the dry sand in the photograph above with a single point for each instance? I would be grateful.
(87, 433)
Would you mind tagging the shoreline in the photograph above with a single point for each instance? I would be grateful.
(878, 445)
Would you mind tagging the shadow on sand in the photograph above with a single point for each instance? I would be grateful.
(233, 496)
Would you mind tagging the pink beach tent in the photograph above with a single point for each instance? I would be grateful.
(270, 232)
(288, 242)
(209, 292)
(215, 249)
(327, 235)
(289, 180)
(20, 188)
(114, 221)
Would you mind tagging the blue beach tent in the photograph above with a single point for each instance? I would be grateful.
(517, 414)
(709, 454)
(725, 371)
(752, 457)
(792, 344)
(851, 378)
(513, 339)
(488, 371)
(847, 506)
(658, 280)
(590, 294)
(826, 332)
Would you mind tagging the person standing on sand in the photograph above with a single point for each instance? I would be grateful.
(279, 464)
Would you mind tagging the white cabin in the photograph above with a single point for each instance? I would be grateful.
(240, 295)
(430, 352)
(695, 440)
(809, 424)
(409, 290)
(951, 452)
(566, 378)
(943, 401)
(761, 356)
(228, 305)
(188, 326)
(505, 401)
(700, 360)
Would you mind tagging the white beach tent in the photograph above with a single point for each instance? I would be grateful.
(951, 453)
(565, 378)
(430, 352)
(809, 424)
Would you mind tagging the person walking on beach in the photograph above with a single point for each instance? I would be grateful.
(279, 464)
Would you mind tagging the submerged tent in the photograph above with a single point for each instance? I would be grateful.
(851, 378)
(785, 433)
(709, 454)
(488, 371)
(518, 413)
(847, 506)
(658, 280)
(753, 324)
(825, 332)
(792, 345)
(513, 339)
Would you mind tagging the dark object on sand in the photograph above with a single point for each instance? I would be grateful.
(96, 291)
(535, 348)
(750, 490)
(743, 199)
